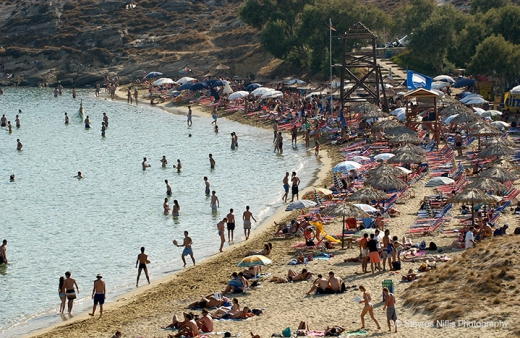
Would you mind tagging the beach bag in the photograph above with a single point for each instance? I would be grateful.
(396, 265)
(517, 231)
(422, 246)
(287, 332)
(432, 247)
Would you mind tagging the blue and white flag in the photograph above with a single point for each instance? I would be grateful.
(416, 80)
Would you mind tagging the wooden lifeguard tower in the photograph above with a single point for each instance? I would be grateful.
(363, 62)
(425, 101)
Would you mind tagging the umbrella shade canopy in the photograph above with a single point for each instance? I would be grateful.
(499, 174)
(439, 85)
(470, 97)
(438, 181)
(366, 208)
(346, 166)
(337, 182)
(272, 94)
(410, 148)
(464, 117)
(501, 124)
(373, 114)
(398, 111)
(399, 130)
(405, 138)
(221, 67)
(486, 131)
(185, 86)
(384, 156)
(238, 95)
(476, 100)
(252, 86)
(499, 140)
(454, 108)
(153, 74)
(185, 79)
(361, 159)
(404, 170)
(383, 170)
(386, 124)
(471, 196)
(478, 124)
(345, 210)
(515, 90)
(198, 86)
(464, 82)
(368, 194)
(444, 78)
(163, 81)
(387, 182)
(487, 184)
(402, 157)
(254, 260)
(490, 113)
(496, 150)
(315, 94)
(301, 204)
(364, 107)
(504, 163)
(261, 91)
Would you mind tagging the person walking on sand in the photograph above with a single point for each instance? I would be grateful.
(285, 182)
(136, 96)
(164, 161)
(70, 292)
(142, 260)
(190, 122)
(230, 225)
(61, 294)
(187, 248)
(99, 294)
(206, 182)
(367, 308)
(294, 135)
(211, 161)
(246, 217)
(66, 118)
(145, 164)
(390, 309)
(168, 188)
(19, 145)
(295, 182)
(3, 252)
(129, 96)
(214, 204)
(221, 233)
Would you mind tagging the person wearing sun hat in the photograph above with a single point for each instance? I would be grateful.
(98, 294)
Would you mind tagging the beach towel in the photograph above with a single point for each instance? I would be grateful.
(316, 333)
(356, 333)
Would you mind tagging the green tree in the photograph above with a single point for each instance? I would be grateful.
(409, 17)
(506, 22)
(467, 39)
(485, 5)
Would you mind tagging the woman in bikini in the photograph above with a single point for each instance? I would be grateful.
(368, 307)
(166, 207)
(61, 294)
(176, 208)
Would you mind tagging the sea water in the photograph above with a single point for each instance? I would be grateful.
(54, 222)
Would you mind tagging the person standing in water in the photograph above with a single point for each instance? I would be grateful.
(176, 208)
(145, 165)
(211, 161)
(105, 119)
(230, 225)
(103, 129)
(178, 166)
(206, 182)
(214, 116)
(74, 93)
(99, 294)
(69, 285)
(166, 206)
(214, 204)
(79, 175)
(294, 135)
(189, 117)
(66, 118)
(129, 95)
(295, 186)
(246, 217)
(3, 252)
(232, 141)
(187, 242)
(61, 294)
(164, 161)
(19, 145)
(142, 260)
(168, 188)
(17, 122)
(3, 121)
(136, 96)
(221, 233)
(9, 127)
(87, 122)
(285, 182)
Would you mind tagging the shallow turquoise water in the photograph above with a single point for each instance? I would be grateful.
(55, 223)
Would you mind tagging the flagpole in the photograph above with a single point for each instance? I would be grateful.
(330, 63)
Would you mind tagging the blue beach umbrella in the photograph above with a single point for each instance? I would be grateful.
(218, 84)
(185, 86)
(252, 86)
(153, 74)
(346, 166)
(464, 82)
(198, 86)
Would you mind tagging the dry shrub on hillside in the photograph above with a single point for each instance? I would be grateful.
(189, 41)
(480, 278)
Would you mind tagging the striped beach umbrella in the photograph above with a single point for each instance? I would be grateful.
(254, 260)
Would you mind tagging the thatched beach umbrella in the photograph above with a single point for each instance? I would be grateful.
(383, 170)
(345, 210)
(387, 182)
(504, 163)
(386, 124)
(400, 130)
(485, 130)
(405, 138)
(373, 114)
(487, 184)
(496, 150)
(499, 140)
(410, 148)
(407, 157)
(368, 194)
(364, 107)
(454, 108)
(465, 117)
(499, 174)
(471, 196)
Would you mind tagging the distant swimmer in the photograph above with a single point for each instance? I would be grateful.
(190, 122)
(168, 188)
(230, 225)
(144, 164)
(3, 254)
(99, 294)
(9, 127)
(17, 122)
(19, 145)
(103, 129)
(87, 123)
(176, 208)
(285, 182)
(189, 135)
(11, 178)
(221, 233)
(295, 181)
(178, 166)
(19, 111)
(79, 175)
(66, 118)
(211, 161)
(105, 119)
(3, 121)
(214, 204)
(166, 206)
(233, 141)
(216, 129)
(206, 182)
(187, 242)
(70, 292)
(246, 217)
(142, 260)
(164, 161)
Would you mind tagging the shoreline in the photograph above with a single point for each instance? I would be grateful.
(319, 176)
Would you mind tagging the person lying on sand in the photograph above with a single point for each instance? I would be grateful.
(251, 272)
(221, 311)
(243, 314)
(303, 329)
(295, 277)
(278, 280)
(265, 251)
(207, 302)
(356, 259)
(205, 324)
(410, 276)
(334, 331)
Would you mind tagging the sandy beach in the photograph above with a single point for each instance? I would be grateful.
(142, 312)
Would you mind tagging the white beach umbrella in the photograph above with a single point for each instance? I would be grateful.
(238, 95)
(398, 111)
(449, 118)
(184, 80)
(262, 90)
(272, 94)
(360, 159)
(384, 156)
(366, 207)
(404, 170)
(490, 113)
(227, 88)
(439, 84)
(501, 124)
(444, 78)
(438, 92)
(346, 166)
(515, 90)
(315, 93)
(163, 80)
(300, 204)
(438, 181)
(476, 100)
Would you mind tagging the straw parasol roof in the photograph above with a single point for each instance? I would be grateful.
(471, 196)
(405, 138)
(499, 174)
(368, 194)
(486, 130)
(387, 182)
(499, 140)
(465, 117)
(504, 163)
(373, 114)
(454, 108)
(364, 107)
(383, 170)
(404, 157)
(487, 184)
(410, 148)
(345, 210)
(386, 124)
(496, 150)
(399, 130)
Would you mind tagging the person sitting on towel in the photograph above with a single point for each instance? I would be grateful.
(295, 277)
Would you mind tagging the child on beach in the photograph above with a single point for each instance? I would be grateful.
(317, 148)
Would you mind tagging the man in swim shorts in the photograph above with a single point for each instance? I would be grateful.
(98, 294)
(390, 308)
(70, 292)
(285, 182)
(294, 189)
(187, 248)
(211, 161)
(214, 204)
(206, 182)
(168, 188)
(142, 260)
(205, 324)
(458, 144)
(3, 249)
(246, 217)
(230, 225)
(221, 233)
